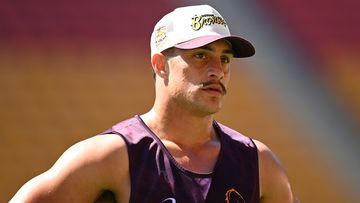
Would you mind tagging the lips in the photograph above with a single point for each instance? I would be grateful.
(214, 89)
(214, 86)
(218, 89)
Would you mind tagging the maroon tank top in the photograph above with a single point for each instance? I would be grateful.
(157, 178)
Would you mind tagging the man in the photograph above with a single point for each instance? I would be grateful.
(176, 152)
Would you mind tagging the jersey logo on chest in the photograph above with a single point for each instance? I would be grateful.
(169, 200)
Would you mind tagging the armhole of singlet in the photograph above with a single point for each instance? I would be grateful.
(257, 166)
(129, 157)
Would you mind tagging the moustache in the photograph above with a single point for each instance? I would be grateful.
(212, 82)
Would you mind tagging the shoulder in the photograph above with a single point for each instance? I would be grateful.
(265, 154)
(274, 181)
(269, 164)
(99, 148)
(106, 153)
(132, 130)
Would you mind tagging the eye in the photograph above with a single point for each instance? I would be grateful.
(225, 59)
(200, 55)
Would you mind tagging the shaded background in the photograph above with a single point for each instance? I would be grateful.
(71, 69)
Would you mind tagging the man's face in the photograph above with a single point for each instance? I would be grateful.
(198, 78)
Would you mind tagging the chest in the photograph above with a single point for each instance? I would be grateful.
(201, 159)
(158, 174)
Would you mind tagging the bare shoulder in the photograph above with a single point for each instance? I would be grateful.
(97, 149)
(88, 167)
(274, 182)
(266, 156)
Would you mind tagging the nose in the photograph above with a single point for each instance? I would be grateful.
(215, 69)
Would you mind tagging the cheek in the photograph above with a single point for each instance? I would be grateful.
(178, 80)
(227, 78)
(187, 76)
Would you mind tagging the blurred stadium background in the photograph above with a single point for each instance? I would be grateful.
(71, 69)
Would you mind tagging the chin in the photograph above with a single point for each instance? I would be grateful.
(206, 108)
(215, 107)
(211, 110)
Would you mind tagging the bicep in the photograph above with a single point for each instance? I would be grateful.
(61, 183)
(79, 175)
(34, 190)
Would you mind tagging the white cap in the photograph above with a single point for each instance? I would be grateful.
(195, 26)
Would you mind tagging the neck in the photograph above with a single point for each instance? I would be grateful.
(180, 126)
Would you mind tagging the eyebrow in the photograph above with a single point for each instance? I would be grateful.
(208, 48)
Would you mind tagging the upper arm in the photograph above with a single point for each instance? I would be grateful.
(81, 173)
(274, 182)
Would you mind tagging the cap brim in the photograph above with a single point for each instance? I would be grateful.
(241, 47)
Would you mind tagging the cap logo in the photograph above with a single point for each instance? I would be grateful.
(199, 22)
(160, 35)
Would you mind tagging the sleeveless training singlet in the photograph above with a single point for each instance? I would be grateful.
(157, 178)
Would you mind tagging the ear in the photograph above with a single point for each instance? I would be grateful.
(159, 63)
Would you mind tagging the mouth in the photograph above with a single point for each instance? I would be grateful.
(214, 87)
